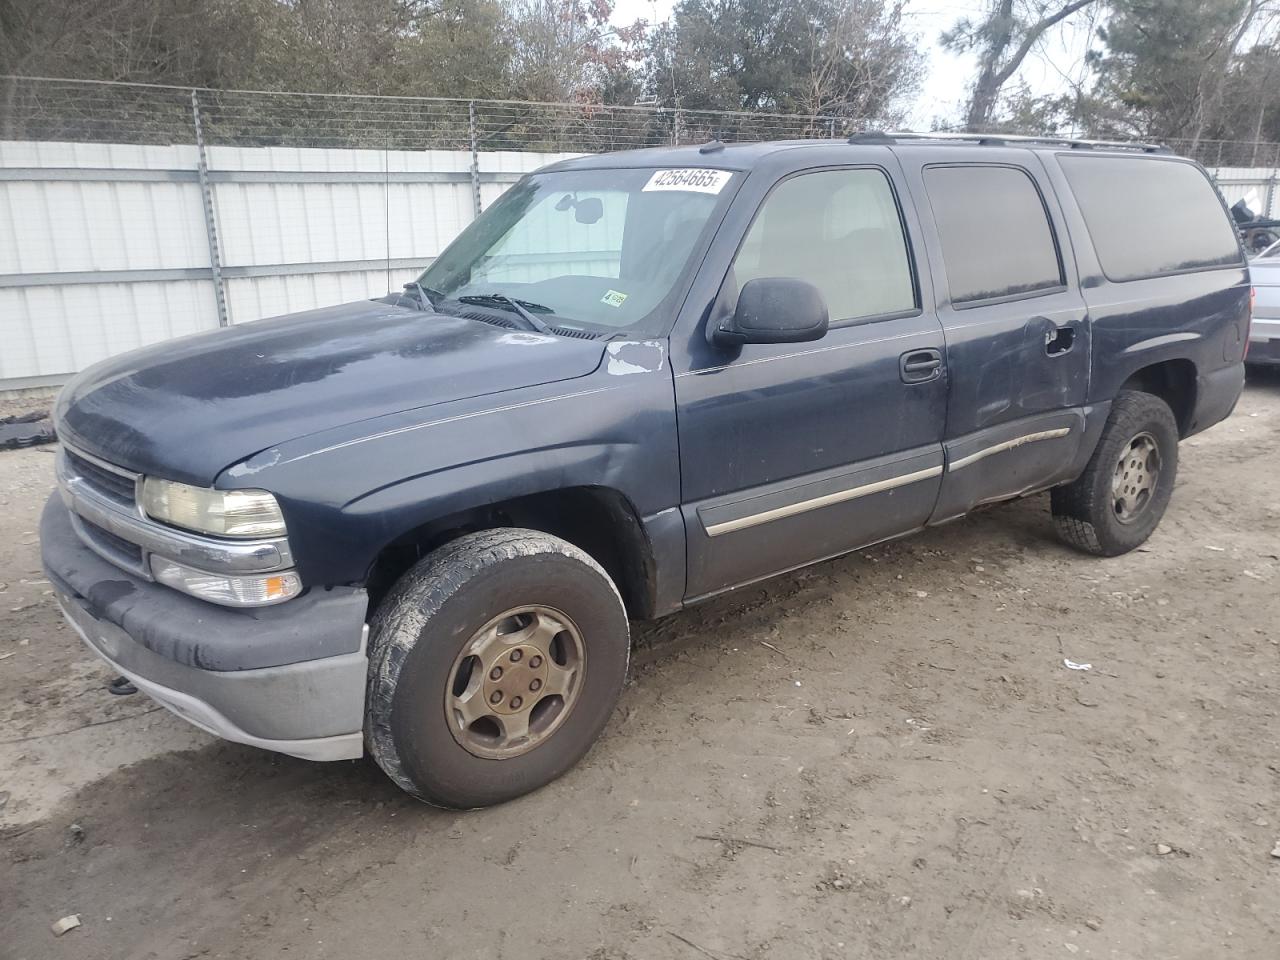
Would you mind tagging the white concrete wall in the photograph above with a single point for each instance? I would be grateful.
(50, 224)
(1257, 185)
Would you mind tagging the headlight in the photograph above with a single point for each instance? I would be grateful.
(252, 591)
(223, 513)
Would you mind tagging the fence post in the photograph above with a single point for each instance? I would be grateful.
(1271, 193)
(386, 199)
(675, 128)
(475, 157)
(210, 226)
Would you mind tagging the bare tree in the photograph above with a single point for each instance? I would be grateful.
(1213, 76)
(1004, 36)
(859, 59)
(562, 47)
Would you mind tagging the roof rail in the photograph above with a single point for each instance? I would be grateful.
(872, 136)
(1005, 139)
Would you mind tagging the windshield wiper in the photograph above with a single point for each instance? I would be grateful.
(423, 300)
(517, 306)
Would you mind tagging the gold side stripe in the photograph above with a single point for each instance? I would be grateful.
(1008, 445)
(804, 506)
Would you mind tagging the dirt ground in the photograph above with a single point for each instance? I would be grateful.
(882, 756)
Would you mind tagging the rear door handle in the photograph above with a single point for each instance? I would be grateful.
(1059, 340)
(920, 366)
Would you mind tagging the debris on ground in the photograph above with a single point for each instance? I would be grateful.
(121, 687)
(59, 927)
(26, 430)
(1072, 665)
(836, 881)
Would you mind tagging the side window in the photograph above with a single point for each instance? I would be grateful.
(1149, 217)
(995, 233)
(841, 231)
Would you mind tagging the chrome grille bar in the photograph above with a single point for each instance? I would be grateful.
(128, 523)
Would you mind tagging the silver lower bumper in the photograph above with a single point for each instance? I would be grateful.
(313, 710)
(1264, 328)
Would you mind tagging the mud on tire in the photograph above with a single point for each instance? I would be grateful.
(435, 613)
(1087, 513)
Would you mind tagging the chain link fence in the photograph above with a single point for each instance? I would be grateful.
(80, 111)
(1228, 153)
(101, 112)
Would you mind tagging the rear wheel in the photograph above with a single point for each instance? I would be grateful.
(1119, 499)
(493, 665)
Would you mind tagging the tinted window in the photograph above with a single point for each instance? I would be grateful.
(1147, 217)
(839, 230)
(996, 239)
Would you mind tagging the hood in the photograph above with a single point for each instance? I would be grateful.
(189, 408)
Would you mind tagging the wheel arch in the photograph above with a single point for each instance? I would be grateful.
(600, 520)
(1175, 381)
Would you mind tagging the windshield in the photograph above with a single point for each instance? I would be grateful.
(594, 250)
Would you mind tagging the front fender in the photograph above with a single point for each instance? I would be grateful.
(347, 492)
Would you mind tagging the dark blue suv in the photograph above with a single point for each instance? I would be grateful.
(418, 526)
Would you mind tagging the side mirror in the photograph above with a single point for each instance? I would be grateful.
(775, 310)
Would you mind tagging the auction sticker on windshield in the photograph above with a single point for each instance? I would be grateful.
(697, 179)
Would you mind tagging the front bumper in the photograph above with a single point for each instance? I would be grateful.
(289, 678)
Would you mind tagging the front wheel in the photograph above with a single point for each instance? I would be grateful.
(1119, 499)
(494, 664)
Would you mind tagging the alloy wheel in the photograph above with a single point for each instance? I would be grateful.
(515, 682)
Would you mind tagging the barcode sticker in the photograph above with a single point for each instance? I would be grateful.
(697, 179)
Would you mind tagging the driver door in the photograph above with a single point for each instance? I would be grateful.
(791, 453)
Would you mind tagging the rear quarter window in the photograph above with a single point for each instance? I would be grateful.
(995, 232)
(1150, 217)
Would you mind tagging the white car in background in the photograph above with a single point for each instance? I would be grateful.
(1264, 334)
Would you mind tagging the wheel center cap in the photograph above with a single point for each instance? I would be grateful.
(514, 679)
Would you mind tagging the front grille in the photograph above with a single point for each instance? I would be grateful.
(105, 482)
(107, 544)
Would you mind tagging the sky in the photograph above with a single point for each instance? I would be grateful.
(1049, 69)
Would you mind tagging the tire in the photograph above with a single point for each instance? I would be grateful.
(1087, 513)
(421, 676)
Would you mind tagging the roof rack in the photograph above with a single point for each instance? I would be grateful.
(1005, 139)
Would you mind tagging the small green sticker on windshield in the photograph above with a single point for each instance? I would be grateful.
(614, 299)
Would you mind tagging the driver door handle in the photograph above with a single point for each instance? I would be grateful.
(920, 366)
